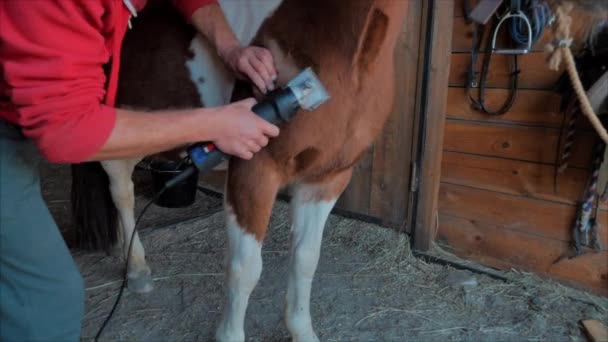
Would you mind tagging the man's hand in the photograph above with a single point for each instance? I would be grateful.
(240, 132)
(255, 63)
(234, 128)
(252, 62)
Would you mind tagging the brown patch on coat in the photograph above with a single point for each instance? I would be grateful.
(251, 192)
(343, 41)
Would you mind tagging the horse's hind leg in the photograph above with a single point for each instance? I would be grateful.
(250, 196)
(123, 195)
(310, 207)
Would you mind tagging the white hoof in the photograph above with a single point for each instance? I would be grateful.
(306, 337)
(141, 282)
(301, 329)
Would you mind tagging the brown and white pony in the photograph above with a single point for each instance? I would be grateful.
(349, 44)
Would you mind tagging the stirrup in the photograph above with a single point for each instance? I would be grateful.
(512, 15)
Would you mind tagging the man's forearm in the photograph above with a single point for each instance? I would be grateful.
(138, 134)
(210, 22)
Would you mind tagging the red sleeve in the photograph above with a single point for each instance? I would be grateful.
(187, 7)
(51, 63)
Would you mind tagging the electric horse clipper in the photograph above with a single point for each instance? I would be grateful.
(305, 91)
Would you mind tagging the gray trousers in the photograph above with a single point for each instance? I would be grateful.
(41, 289)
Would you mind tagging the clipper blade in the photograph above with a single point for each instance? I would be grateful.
(308, 89)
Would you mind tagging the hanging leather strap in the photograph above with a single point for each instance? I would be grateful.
(479, 102)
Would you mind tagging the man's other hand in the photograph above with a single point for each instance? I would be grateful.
(255, 63)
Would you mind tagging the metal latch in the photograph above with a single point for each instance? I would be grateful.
(414, 177)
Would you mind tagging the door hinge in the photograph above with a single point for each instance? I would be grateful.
(414, 177)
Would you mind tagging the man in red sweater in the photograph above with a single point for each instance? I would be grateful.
(54, 102)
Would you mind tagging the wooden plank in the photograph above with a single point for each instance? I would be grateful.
(514, 177)
(531, 107)
(505, 249)
(546, 219)
(534, 72)
(390, 172)
(596, 331)
(426, 206)
(497, 247)
(591, 267)
(462, 37)
(534, 144)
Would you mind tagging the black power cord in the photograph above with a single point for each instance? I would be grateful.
(125, 274)
(479, 103)
(171, 183)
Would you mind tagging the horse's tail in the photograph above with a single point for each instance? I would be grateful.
(94, 212)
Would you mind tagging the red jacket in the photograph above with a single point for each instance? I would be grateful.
(52, 82)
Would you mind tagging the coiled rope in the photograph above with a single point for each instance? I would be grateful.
(539, 14)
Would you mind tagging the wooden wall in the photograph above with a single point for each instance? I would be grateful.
(498, 202)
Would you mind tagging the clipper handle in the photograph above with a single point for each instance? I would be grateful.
(278, 107)
(205, 156)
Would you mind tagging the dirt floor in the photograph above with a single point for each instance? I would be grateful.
(368, 286)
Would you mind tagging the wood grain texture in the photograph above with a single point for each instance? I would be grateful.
(534, 144)
(430, 168)
(492, 245)
(514, 177)
(591, 267)
(534, 72)
(531, 107)
(596, 331)
(498, 202)
(390, 174)
(545, 219)
(498, 247)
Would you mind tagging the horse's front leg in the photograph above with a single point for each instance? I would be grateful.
(250, 195)
(310, 207)
(123, 195)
